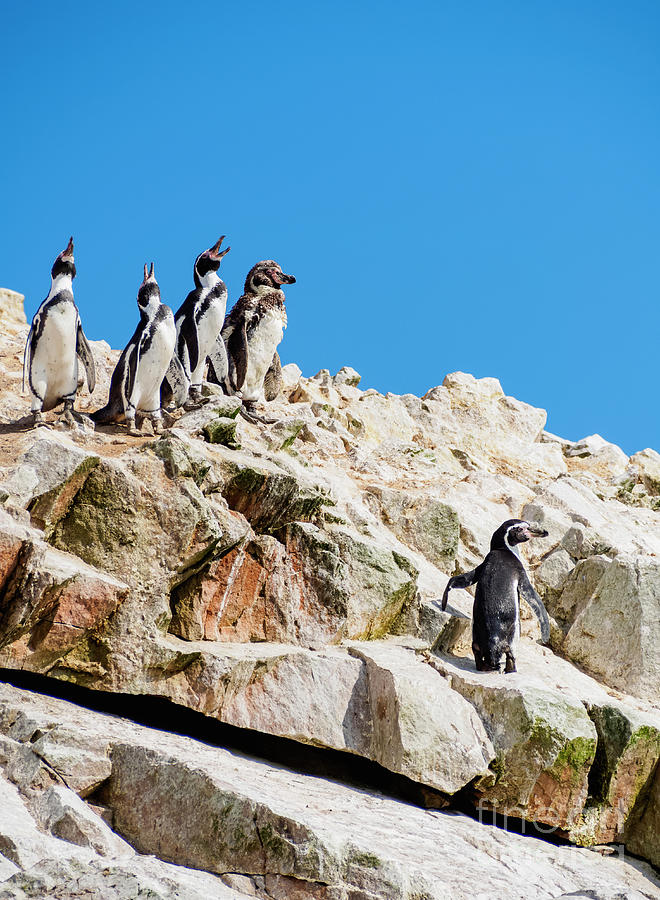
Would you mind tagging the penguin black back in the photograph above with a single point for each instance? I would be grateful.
(501, 579)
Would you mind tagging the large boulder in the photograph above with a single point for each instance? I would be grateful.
(307, 585)
(616, 635)
(544, 742)
(51, 601)
(268, 830)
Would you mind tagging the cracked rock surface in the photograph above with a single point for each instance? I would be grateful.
(283, 579)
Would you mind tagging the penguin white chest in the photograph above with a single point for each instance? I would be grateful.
(54, 365)
(156, 349)
(262, 344)
(209, 325)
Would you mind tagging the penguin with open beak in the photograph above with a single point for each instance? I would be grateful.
(55, 345)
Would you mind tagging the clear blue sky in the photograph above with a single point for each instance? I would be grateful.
(470, 185)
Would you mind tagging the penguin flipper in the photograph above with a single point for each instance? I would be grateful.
(273, 379)
(238, 349)
(84, 351)
(218, 360)
(461, 581)
(27, 354)
(177, 381)
(527, 592)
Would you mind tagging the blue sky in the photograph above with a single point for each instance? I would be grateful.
(468, 185)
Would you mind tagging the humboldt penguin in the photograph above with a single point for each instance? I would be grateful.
(501, 579)
(142, 366)
(54, 345)
(252, 332)
(199, 321)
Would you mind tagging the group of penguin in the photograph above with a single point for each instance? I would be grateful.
(165, 362)
(166, 359)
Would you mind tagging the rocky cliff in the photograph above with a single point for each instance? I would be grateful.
(273, 589)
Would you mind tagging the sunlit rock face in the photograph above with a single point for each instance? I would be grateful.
(283, 579)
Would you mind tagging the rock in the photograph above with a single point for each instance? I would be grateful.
(291, 375)
(50, 603)
(579, 588)
(139, 877)
(21, 842)
(182, 457)
(294, 831)
(62, 813)
(348, 376)
(222, 431)
(12, 314)
(627, 756)
(544, 744)
(426, 621)
(596, 455)
(645, 469)
(282, 434)
(267, 495)
(616, 635)
(307, 585)
(245, 572)
(421, 727)
(609, 525)
(551, 575)
(642, 831)
(428, 525)
(47, 478)
(581, 542)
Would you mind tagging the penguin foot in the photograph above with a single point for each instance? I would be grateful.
(133, 429)
(248, 413)
(67, 419)
(157, 425)
(37, 418)
(195, 399)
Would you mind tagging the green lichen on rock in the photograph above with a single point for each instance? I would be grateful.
(222, 431)
(366, 860)
(181, 459)
(227, 410)
(102, 520)
(271, 498)
(47, 509)
(544, 743)
(575, 757)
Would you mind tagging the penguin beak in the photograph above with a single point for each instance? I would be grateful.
(214, 252)
(67, 253)
(285, 279)
(536, 531)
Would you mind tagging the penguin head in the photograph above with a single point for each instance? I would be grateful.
(266, 274)
(514, 531)
(148, 292)
(64, 264)
(208, 261)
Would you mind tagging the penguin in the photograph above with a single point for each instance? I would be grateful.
(54, 345)
(147, 358)
(199, 321)
(501, 579)
(252, 332)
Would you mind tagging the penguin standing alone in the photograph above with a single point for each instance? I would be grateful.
(199, 321)
(148, 356)
(252, 332)
(54, 344)
(501, 579)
